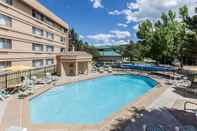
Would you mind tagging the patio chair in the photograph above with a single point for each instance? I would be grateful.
(101, 69)
(185, 128)
(2, 98)
(14, 128)
(153, 127)
(4, 93)
(109, 70)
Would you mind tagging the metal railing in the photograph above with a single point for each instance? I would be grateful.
(14, 78)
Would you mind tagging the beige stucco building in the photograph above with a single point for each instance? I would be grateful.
(31, 35)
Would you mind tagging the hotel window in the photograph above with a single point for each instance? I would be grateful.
(5, 43)
(7, 1)
(50, 35)
(37, 63)
(50, 48)
(49, 62)
(48, 21)
(37, 47)
(5, 20)
(37, 15)
(62, 50)
(5, 64)
(37, 31)
(62, 39)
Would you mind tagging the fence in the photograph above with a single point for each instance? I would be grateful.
(14, 78)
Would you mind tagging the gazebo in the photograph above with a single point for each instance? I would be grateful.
(74, 63)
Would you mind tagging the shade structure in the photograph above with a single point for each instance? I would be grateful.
(17, 68)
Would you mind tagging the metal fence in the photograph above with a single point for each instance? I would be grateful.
(14, 78)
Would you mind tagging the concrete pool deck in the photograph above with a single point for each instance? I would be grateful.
(15, 112)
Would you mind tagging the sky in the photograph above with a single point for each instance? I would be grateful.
(111, 22)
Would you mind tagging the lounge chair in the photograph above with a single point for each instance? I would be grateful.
(14, 128)
(4, 93)
(2, 98)
(101, 70)
(153, 127)
(191, 90)
(185, 128)
(109, 70)
(26, 89)
(47, 80)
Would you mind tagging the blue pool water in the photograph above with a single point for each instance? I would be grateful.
(89, 101)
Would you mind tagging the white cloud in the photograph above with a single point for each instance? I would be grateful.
(152, 9)
(81, 37)
(120, 34)
(101, 37)
(136, 27)
(97, 3)
(122, 25)
(113, 37)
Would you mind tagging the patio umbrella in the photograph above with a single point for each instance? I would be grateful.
(17, 68)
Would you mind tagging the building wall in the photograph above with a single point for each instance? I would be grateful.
(20, 33)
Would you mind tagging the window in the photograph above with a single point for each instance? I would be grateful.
(37, 15)
(48, 21)
(50, 35)
(50, 48)
(5, 64)
(37, 63)
(62, 50)
(5, 20)
(5, 43)
(62, 39)
(37, 31)
(49, 62)
(37, 47)
(7, 1)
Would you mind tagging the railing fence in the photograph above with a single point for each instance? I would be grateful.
(14, 78)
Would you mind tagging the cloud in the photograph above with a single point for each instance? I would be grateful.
(136, 27)
(97, 3)
(81, 37)
(100, 37)
(122, 25)
(113, 37)
(120, 34)
(146, 9)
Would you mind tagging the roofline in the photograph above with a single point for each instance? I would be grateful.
(42, 9)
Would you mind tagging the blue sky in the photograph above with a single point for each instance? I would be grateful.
(106, 22)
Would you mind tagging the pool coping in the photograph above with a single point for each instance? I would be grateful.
(124, 112)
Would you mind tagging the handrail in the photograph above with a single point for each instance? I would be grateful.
(188, 102)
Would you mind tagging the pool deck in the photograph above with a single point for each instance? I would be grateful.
(15, 112)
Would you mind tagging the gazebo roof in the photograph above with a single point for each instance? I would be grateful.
(76, 55)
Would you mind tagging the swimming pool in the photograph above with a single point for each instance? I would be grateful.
(89, 101)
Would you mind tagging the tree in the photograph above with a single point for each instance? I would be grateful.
(81, 45)
(166, 39)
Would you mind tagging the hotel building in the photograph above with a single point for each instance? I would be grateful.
(30, 34)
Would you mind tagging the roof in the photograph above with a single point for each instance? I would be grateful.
(39, 7)
(76, 55)
(104, 47)
(109, 53)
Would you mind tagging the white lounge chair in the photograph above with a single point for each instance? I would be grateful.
(14, 128)
(101, 69)
(110, 69)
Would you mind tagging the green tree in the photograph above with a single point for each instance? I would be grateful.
(81, 45)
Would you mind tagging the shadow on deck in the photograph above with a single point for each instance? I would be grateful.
(168, 118)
